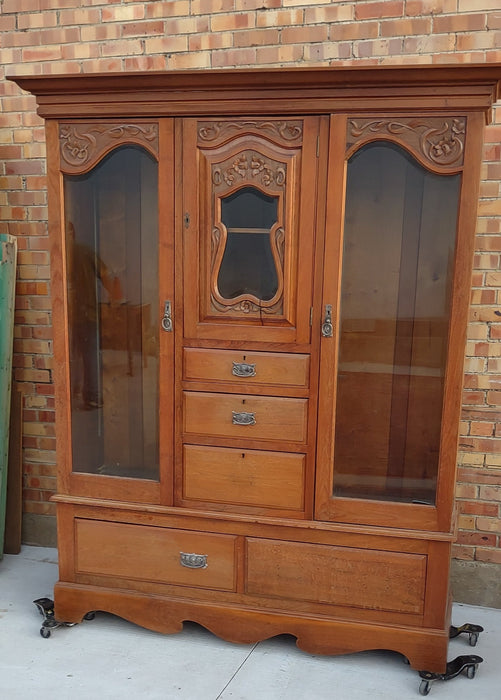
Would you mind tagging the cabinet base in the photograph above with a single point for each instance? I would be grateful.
(424, 648)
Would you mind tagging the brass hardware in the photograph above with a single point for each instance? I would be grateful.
(243, 418)
(167, 317)
(193, 561)
(243, 369)
(327, 327)
(186, 220)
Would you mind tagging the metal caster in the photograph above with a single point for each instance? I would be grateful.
(468, 664)
(424, 687)
(471, 630)
(45, 607)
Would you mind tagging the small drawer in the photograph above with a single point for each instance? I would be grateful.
(267, 368)
(162, 555)
(241, 416)
(346, 576)
(244, 477)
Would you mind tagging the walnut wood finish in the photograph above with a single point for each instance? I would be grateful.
(272, 551)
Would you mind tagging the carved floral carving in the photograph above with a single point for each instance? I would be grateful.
(214, 133)
(249, 166)
(439, 141)
(81, 145)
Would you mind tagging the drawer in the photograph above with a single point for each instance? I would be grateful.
(346, 576)
(268, 368)
(241, 416)
(244, 477)
(162, 555)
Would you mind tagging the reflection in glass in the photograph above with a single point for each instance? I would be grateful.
(399, 241)
(248, 266)
(111, 255)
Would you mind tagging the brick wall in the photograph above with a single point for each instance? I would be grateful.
(61, 36)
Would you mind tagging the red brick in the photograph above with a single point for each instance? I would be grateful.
(377, 10)
(460, 23)
(483, 429)
(42, 53)
(122, 13)
(472, 398)
(478, 508)
(142, 28)
(490, 493)
(302, 35)
(492, 556)
(257, 37)
(462, 552)
(405, 27)
(476, 539)
(202, 7)
(257, 4)
(241, 57)
(485, 524)
(175, 8)
(414, 8)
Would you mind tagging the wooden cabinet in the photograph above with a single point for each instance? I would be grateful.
(260, 295)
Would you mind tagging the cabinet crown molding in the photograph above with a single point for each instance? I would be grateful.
(273, 91)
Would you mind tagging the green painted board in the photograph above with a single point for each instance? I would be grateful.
(8, 255)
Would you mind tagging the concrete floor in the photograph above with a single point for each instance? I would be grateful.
(112, 659)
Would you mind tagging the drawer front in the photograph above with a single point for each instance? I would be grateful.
(244, 477)
(273, 369)
(360, 578)
(240, 416)
(145, 553)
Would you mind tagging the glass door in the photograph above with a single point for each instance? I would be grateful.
(382, 408)
(111, 223)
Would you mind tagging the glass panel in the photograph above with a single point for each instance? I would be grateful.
(248, 266)
(111, 236)
(399, 240)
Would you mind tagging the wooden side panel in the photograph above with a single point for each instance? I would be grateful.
(339, 575)
(153, 554)
(275, 418)
(244, 477)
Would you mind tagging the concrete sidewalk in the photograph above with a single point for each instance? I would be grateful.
(112, 659)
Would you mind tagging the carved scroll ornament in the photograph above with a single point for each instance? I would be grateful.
(435, 140)
(82, 145)
(286, 133)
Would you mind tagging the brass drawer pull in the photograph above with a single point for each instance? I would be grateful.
(243, 418)
(193, 561)
(242, 369)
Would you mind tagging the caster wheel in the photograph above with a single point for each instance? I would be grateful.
(424, 688)
(45, 632)
(473, 639)
(90, 615)
(471, 671)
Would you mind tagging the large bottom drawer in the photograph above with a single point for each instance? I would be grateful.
(163, 555)
(346, 576)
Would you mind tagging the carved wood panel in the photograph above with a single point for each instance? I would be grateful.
(437, 142)
(83, 145)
